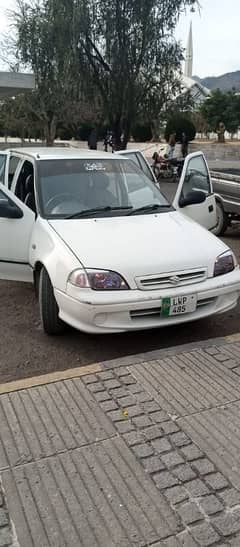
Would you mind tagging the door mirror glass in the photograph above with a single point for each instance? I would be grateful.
(192, 198)
(8, 209)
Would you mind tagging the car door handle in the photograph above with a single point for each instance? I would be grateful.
(210, 208)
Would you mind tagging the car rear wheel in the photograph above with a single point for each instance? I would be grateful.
(49, 310)
(222, 221)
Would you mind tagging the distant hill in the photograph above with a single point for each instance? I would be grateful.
(225, 82)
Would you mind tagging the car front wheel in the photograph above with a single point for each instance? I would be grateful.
(222, 221)
(50, 320)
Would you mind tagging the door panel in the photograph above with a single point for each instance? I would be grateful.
(196, 177)
(15, 236)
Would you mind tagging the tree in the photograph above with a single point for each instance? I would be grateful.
(119, 53)
(132, 56)
(179, 124)
(222, 108)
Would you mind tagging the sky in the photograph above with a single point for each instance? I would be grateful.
(216, 36)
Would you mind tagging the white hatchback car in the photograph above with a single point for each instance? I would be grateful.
(106, 251)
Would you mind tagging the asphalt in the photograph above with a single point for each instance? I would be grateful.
(137, 451)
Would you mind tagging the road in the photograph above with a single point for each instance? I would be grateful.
(25, 351)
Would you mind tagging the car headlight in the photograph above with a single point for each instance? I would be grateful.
(225, 263)
(98, 280)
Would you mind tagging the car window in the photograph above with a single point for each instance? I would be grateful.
(24, 180)
(145, 167)
(2, 166)
(13, 163)
(134, 157)
(196, 177)
(68, 186)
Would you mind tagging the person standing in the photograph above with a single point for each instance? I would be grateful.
(92, 140)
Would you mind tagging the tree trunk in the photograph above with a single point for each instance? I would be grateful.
(50, 131)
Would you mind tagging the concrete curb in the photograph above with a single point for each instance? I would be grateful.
(162, 353)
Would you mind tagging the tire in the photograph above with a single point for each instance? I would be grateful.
(49, 310)
(222, 219)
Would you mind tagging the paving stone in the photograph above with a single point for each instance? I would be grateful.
(133, 438)
(102, 396)
(221, 357)
(197, 488)
(192, 452)
(141, 396)
(204, 534)
(161, 445)
(127, 401)
(153, 432)
(203, 466)
(96, 387)
(230, 497)
(124, 427)
(235, 542)
(134, 411)
(142, 421)
(118, 392)
(228, 523)
(164, 479)
(170, 427)
(5, 537)
(172, 459)
(186, 540)
(184, 472)
(176, 494)
(108, 405)
(217, 481)
(230, 364)
(143, 450)
(128, 380)
(4, 518)
(189, 512)
(153, 464)
(180, 439)
(150, 406)
(117, 415)
(105, 375)
(211, 505)
(212, 350)
(90, 379)
(121, 371)
(112, 384)
(159, 416)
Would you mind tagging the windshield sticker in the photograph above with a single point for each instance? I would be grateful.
(94, 167)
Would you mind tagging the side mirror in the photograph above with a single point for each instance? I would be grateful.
(9, 210)
(192, 198)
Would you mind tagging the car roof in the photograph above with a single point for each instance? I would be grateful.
(129, 151)
(54, 152)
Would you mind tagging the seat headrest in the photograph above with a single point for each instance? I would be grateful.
(29, 185)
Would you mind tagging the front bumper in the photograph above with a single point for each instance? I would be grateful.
(109, 312)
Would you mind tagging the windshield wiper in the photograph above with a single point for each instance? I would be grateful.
(148, 208)
(86, 212)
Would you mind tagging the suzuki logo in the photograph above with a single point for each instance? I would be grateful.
(174, 280)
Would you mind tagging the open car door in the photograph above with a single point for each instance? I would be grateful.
(16, 225)
(196, 178)
(3, 166)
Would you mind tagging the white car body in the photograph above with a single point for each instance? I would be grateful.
(160, 256)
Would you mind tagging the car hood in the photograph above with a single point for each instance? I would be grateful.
(140, 245)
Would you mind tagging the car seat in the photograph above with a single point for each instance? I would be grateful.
(30, 195)
(99, 194)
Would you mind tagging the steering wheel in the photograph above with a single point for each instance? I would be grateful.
(58, 199)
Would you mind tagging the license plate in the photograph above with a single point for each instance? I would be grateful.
(178, 305)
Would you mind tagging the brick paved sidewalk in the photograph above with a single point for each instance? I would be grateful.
(144, 453)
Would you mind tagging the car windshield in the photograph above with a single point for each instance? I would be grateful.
(71, 188)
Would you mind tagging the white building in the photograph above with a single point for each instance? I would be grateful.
(12, 83)
(198, 92)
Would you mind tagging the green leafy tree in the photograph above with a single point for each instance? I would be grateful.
(118, 54)
(222, 108)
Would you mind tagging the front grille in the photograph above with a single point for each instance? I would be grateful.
(171, 280)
